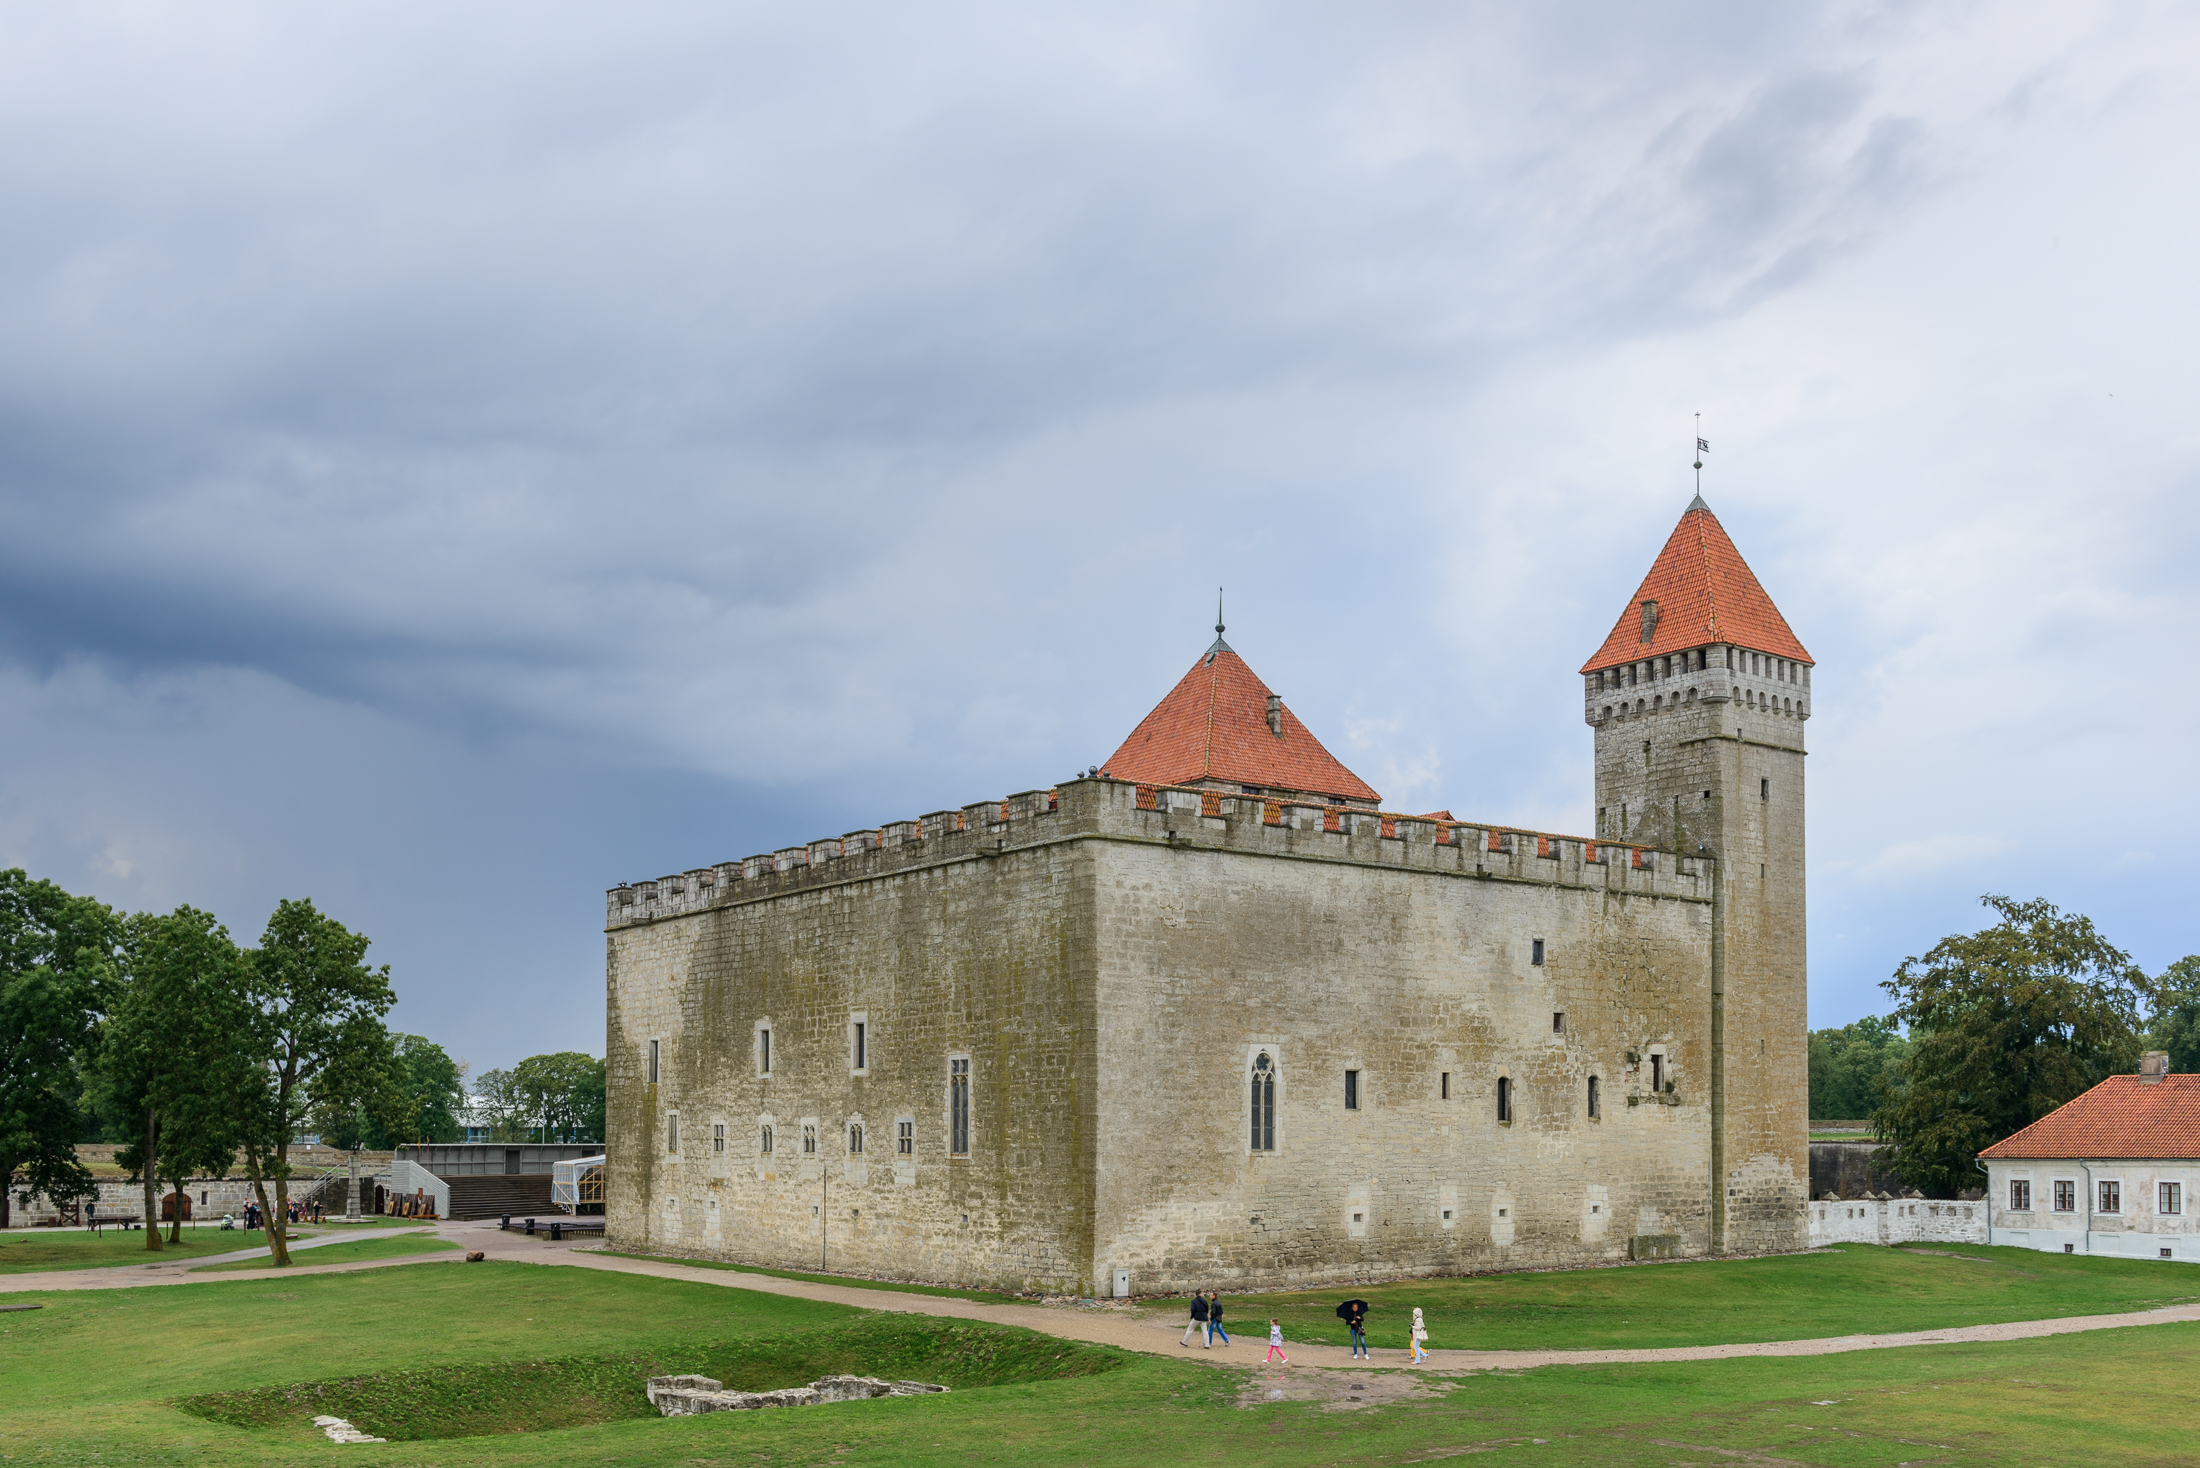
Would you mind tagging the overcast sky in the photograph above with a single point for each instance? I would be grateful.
(453, 460)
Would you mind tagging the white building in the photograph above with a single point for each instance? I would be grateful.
(2111, 1172)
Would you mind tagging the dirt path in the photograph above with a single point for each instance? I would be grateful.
(1104, 1325)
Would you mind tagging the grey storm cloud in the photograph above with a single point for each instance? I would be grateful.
(460, 459)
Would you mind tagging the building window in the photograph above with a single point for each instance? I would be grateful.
(717, 1136)
(1596, 1100)
(1536, 957)
(1352, 1090)
(1764, 790)
(765, 1141)
(905, 1138)
(1558, 1024)
(1443, 1086)
(2112, 1198)
(2066, 1196)
(1657, 1074)
(2020, 1195)
(2169, 1198)
(1264, 1103)
(763, 1050)
(809, 1139)
(958, 1107)
(1504, 1099)
(672, 1131)
(855, 1137)
(653, 1062)
(859, 1046)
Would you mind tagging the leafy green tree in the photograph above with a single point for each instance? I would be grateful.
(2008, 1023)
(557, 1097)
(58, 958)
(434, 1085)
(362, 1097)
(169, 1055)
(317, 1010)
(1850, 1066)
(2176, 1023)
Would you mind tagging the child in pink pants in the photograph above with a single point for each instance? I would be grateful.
(1275, 1344)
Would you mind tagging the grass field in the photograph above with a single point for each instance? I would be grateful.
(834, 1279)
(1841, 1291)
(351, 1251)
(105, 1376)
(24, 1251)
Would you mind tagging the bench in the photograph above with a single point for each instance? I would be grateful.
(557, 1228)
(124, 1221)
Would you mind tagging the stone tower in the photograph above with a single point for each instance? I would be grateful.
(1698, 699)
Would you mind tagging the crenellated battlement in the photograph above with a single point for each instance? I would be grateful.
(1720, 673)
(1101, 808)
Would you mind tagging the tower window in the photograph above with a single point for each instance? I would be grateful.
(905, 1138)
(1443, 1086)
(958, 1106)
(1764, 790)
(764, 1141)
(1657, 1074)
(1558, 1024)
(1535, 955)
(809, 1140)
(672, 1131)
(763, 1050)
(1596, 1102)
(1264, 1104)
(855, 1138)
(717, 1137)
(653, 1052)
(1352, 1090)
(1504, 1099)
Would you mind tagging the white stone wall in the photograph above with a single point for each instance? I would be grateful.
(1897, 1221)
(2139, 1229)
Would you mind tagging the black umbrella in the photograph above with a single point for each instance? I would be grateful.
(1344, 1311)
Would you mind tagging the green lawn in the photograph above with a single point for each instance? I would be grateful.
(23, 1251)
(834, 1279)
(1843, 1291)
(99, 1376)
(352, 1251)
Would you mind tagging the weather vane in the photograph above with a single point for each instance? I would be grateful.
(1703, 446)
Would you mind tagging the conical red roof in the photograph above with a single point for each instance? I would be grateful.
(1214, 726)
(1705, 592)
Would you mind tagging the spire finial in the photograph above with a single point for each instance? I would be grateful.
(1218, 611)
(1703, 446)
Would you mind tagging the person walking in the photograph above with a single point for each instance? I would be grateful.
(1275, 1343)
(1198, 1324)
(1214, 1318)
(1420, 1335)
(1354, 1314)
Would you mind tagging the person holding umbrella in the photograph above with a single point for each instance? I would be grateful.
(1354, 1314)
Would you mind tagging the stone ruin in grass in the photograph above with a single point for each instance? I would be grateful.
(687, 1396)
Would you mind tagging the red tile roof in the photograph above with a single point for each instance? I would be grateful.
(2120, 1117)
(1214, 726)
(1705, 592)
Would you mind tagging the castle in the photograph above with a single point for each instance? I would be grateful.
(1212, 1015)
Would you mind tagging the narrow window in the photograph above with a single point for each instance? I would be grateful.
(1657, 1074)
(1264, 1104)
(717, 1136)
(861, 1059)
(1352, 1090)
(764, 1050)
(653, 1062)
(2170, 1198)
(2112, 1197)
(905, 1138)
(958, 1107)
(855, 1139)
(1504, 1099)
(809, 1140)
(672, 1131)
(1443, 1087)
(1558, 1024)
(1536, 956)
(1764, 790)
(2066, 1196)
(2020, 1195)
(764, 1141)
(1596, 1100)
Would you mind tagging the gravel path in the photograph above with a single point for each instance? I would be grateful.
(1105, 1325)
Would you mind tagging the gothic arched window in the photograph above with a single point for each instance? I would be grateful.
(1264, 1104)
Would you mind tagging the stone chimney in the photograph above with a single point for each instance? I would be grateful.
(2153, 1066)
(1275, 715)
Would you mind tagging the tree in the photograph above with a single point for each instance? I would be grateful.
(2176, 1023)
(169, 1053)
(57, 963)
(360, 1098)
(2008, 1023)
(545, 1098)
(317, 1009)
(1849, 1066)
(434, 1085)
